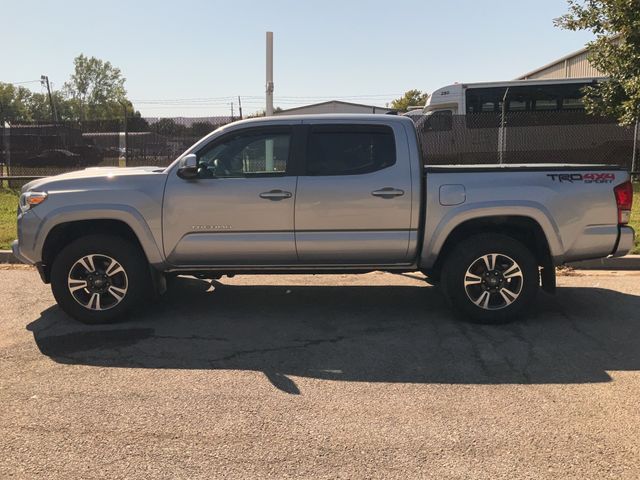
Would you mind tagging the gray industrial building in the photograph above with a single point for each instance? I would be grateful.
(574, 65)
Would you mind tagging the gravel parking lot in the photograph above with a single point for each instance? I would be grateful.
(321, 376)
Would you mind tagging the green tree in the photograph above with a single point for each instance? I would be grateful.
(411, 98)
(168, 127)
(615, 52)
(136, 123)
(200, 129)
(14, 103)
(95, 89)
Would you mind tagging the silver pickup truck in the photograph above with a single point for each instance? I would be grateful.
(319, 194)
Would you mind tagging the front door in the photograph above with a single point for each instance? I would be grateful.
(240, 210)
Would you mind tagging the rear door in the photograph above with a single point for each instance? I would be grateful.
(353, 201)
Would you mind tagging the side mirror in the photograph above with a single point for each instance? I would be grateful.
(188, 168)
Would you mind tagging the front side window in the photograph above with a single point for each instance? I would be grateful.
(246, 154)
(349, 149)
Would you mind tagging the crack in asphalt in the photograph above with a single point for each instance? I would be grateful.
(477, 355)
(260, 351)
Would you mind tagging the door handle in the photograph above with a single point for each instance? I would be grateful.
(275, 195)
(388, 192)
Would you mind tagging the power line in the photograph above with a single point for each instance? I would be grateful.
(23, 83)
(288, 98)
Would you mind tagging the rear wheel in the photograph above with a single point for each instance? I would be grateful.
(99, 278)
(490, 278)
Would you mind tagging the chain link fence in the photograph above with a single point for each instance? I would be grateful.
(525, 137)
(39, 149)
(33, 150)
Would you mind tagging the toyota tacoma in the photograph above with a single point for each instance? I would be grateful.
(319, 194)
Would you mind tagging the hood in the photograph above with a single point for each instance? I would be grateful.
(89, 174)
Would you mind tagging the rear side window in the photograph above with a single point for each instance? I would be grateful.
(349, 149)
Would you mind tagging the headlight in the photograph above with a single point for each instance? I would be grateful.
(31, 199)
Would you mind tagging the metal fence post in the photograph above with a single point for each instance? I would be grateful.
(634, 166)
(123, 137)
(6, 143)
(502, 132)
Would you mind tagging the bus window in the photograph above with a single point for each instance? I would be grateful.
(546, 104)
(545, 98)
(488, 107)
(572, 96)
(481, 100)
(517, 105)
(572, 103)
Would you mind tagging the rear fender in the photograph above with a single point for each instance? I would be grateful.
(436, 236)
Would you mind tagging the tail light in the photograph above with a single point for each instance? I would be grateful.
(624, 201)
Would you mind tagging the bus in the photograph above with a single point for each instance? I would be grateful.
(516, 95)
(520, 121)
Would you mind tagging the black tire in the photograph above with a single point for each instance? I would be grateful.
(465, 264)
(137, 279)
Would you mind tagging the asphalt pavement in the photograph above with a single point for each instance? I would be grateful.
(321, 376)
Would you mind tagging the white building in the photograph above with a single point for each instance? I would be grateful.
(335, 106)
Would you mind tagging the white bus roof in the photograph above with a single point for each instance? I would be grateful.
(509, 83)
(452, 96)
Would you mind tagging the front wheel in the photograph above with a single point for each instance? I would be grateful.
(490, 278)
(99, 278)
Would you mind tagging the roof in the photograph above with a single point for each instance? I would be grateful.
(323, 117)
(534, 81)
(561, 59)
(336, 102)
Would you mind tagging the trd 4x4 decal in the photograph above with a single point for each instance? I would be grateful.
(582, 177)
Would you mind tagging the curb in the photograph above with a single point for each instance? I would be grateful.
(6, 256)
(629, 262)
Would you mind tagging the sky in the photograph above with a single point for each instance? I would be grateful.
(192, 58)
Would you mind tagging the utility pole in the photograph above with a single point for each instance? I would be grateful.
(240, 107)
(269, 85)
(44, 80)
(232, 111)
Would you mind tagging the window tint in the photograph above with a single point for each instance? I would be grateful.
(517, 104)
(349, 149)
(246, 154)
(550, 97)
(484, 99)
(573, 96)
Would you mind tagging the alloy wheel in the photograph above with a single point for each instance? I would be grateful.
(97, 282)
(493, 281)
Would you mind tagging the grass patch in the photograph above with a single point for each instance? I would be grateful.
(8, 208)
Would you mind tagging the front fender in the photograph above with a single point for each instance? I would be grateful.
(437, 233)
(123, 213)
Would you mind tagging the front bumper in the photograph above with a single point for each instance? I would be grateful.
(15, 248)
(625, 242)
(42, 269)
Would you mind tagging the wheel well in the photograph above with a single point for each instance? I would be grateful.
(524, 229)
(63, 234)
